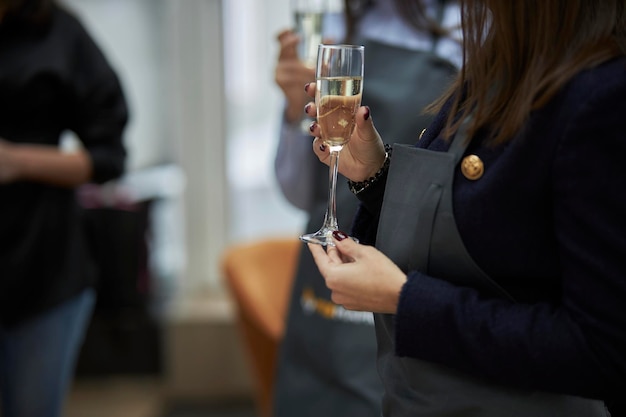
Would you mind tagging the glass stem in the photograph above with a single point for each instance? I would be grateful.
(330, 219)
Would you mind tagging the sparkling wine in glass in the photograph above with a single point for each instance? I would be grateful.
(339, 79)
(309, 20)
(309, 25)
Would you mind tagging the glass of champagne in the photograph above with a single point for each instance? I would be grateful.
(339, 82)
(309, 25)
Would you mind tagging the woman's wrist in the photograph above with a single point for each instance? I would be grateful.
(358, 186)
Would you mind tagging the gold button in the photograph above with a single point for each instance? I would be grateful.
(472, 167)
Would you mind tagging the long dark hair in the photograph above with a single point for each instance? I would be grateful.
(412, 11)
(520, 53)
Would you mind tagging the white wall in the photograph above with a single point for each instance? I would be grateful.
(254, 109)
(199, 79)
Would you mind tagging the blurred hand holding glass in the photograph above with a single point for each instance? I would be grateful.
(316, 22)
(339, 87)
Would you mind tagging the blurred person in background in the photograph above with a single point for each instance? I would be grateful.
(327, 360)
(53, 78)
(498, 271)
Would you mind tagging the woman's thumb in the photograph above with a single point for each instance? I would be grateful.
(365, 124)
(345, 244)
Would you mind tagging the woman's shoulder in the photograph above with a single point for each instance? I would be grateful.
(593, 99)
(600, 81)
(587, 98)
(588, 114)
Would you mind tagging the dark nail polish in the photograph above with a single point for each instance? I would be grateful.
(339, 235)
(367, 113)
(306, 87)
(312, 127)
(307, 107)
(322, 147)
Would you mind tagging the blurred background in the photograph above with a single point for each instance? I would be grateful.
(205, 114)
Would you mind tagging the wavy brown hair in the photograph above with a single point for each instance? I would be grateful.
(520, 53)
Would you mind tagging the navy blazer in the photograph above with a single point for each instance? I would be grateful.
(547, 221)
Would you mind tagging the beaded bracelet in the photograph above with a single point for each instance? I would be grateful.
(357, 187)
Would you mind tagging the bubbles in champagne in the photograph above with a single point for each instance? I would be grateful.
(338, 99)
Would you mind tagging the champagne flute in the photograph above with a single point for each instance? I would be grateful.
(309, 18)
(339, 79)
(309, 25)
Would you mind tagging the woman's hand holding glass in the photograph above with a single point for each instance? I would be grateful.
(362, 156)
(339, 87)
(353, 271)
(291, 74)
(360, 277)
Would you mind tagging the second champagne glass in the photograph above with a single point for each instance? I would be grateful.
(309, 21)
(339, 79)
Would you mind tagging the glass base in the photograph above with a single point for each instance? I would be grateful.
(322, 237)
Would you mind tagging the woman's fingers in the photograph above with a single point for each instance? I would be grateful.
(334, 255)
(363, 155)
(365, 124)
(310, 89)
(320, 149)
(343, 248)
(310, 109)
(319, 256)
(348, 247)
(288, 41)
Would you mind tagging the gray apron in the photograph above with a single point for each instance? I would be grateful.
(420, 183)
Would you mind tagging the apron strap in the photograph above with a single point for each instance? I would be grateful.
(425, 225)
(460, 141)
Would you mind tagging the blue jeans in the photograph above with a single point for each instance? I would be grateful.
(38, 357)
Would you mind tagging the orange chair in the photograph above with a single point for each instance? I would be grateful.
(259, 276)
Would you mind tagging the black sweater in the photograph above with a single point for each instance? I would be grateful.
(53, 78)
